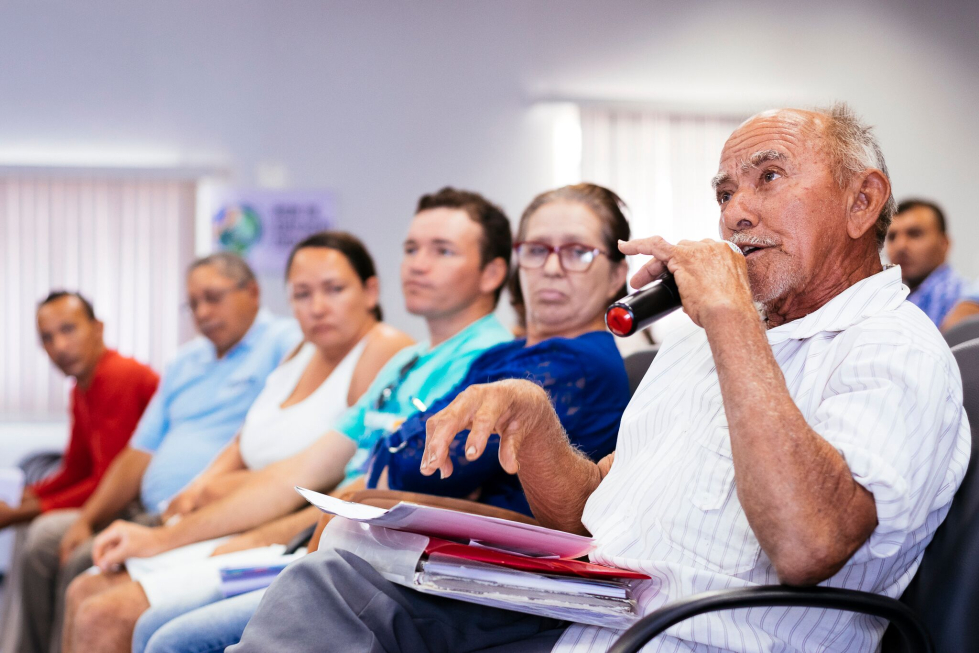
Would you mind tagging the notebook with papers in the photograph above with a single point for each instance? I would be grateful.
(484, 560)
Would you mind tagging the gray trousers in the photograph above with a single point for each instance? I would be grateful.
(334, 601)
(44, 581)
(10, 601)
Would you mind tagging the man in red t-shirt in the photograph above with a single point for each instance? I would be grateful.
(107, 401)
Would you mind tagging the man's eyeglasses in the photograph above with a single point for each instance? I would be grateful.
(574, 257)
(212, 297)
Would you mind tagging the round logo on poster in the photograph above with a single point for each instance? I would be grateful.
(237, 227)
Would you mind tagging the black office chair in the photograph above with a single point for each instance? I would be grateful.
(964, 331)
(941, 603)
(636, 365)
(39, 466)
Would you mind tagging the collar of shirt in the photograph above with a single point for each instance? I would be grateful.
(938, 292)
(939, 277)
(100, 364)
(425, 349)
(247, 342)
(883, 291)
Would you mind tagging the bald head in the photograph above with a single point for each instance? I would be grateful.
(793, 198)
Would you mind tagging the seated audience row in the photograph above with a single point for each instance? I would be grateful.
(456, 260)
(565, 297)
(720, 468)
(566, 351)
(197, 408)
(822, 443)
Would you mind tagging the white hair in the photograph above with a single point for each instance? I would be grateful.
(855, 149)
(229, 264)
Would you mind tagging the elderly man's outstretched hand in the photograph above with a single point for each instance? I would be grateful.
(710, 275)
(513, 409)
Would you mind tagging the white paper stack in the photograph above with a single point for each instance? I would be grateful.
(601, 602)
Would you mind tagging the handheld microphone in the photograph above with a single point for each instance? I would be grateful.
(637, 311)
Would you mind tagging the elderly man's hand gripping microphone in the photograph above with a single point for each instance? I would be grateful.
(637, 311)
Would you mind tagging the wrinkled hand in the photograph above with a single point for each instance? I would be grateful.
(511, 408)
(77, 533)
(710, 275)
(182, 504)
(124, 540)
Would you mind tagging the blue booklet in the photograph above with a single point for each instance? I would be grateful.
(247, 579)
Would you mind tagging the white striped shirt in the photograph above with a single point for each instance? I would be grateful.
(872, 375)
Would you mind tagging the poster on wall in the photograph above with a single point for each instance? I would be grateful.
(264, 225)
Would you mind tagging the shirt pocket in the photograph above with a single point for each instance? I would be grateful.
(714, 533)
(715, 482)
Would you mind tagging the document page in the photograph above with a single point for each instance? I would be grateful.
(453, 525)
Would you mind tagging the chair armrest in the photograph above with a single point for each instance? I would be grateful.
(913, 632)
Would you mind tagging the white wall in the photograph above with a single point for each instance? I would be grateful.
(382, 101)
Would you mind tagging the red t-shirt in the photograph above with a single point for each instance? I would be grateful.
(103, 417)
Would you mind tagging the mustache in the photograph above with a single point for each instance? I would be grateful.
(742, 238)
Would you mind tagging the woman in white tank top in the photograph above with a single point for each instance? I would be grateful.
(333, 290)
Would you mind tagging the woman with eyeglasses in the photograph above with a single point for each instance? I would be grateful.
(569, 269)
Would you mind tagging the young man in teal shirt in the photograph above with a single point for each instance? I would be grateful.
(455, 263)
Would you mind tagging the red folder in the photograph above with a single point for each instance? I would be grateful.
(525, 563)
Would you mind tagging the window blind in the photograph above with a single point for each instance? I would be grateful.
(123, 242)
(661, 164)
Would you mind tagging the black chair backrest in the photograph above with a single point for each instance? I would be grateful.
(40, 465)
(300, 540)
(945, 591)
(964, 331)
(636, 365)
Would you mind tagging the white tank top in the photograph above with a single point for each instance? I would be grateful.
(271, 433)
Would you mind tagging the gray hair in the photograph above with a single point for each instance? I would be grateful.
(855, 149)
(228, 264)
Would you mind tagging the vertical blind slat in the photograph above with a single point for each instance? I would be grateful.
(660, 163)
(121, 242)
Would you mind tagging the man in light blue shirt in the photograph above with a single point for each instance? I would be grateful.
(918, 241)
(967, 307)
(455, 263)
(202, 402)
(197, 409)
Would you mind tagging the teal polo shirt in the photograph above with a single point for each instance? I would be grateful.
(201, 404)
(411, 381)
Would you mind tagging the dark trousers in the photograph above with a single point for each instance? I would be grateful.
(334, 601)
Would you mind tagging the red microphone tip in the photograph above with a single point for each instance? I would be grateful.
(619, 320)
